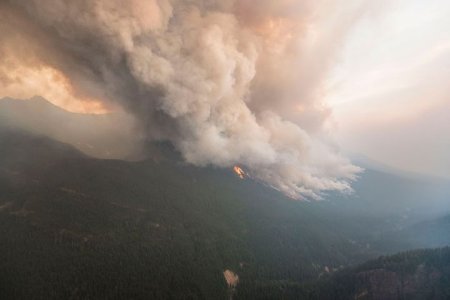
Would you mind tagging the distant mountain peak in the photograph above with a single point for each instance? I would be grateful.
(103, 136)
(39, 98)
(33, 102)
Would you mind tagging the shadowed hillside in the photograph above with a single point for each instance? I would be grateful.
(106, 136)
(77, 227)
(84, 227)
(420, 274)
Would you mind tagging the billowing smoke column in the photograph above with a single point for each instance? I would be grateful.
(226, 82)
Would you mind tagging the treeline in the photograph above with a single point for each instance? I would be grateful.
(80, 228)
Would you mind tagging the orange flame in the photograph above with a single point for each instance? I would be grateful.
(239, 172)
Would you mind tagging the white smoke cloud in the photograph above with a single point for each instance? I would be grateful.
(227, 82)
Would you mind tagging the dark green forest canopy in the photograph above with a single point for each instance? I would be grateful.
(76, 227)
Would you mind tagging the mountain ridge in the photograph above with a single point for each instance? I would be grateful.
(162, 228)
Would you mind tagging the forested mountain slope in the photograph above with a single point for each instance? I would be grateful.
(419, 274)
(78, 227)
(73, 226)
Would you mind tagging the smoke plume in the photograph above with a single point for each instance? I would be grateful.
(226, 82)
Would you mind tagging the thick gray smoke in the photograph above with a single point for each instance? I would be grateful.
(227, 82)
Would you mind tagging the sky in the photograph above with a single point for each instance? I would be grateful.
(284, 89)
(390, 89)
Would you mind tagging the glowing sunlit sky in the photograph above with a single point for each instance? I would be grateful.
(388, 89)
(390, 92)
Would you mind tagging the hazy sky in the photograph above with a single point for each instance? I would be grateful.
(390, 91)
(261, 86)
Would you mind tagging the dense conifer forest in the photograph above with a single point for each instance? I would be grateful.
(74, 227)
